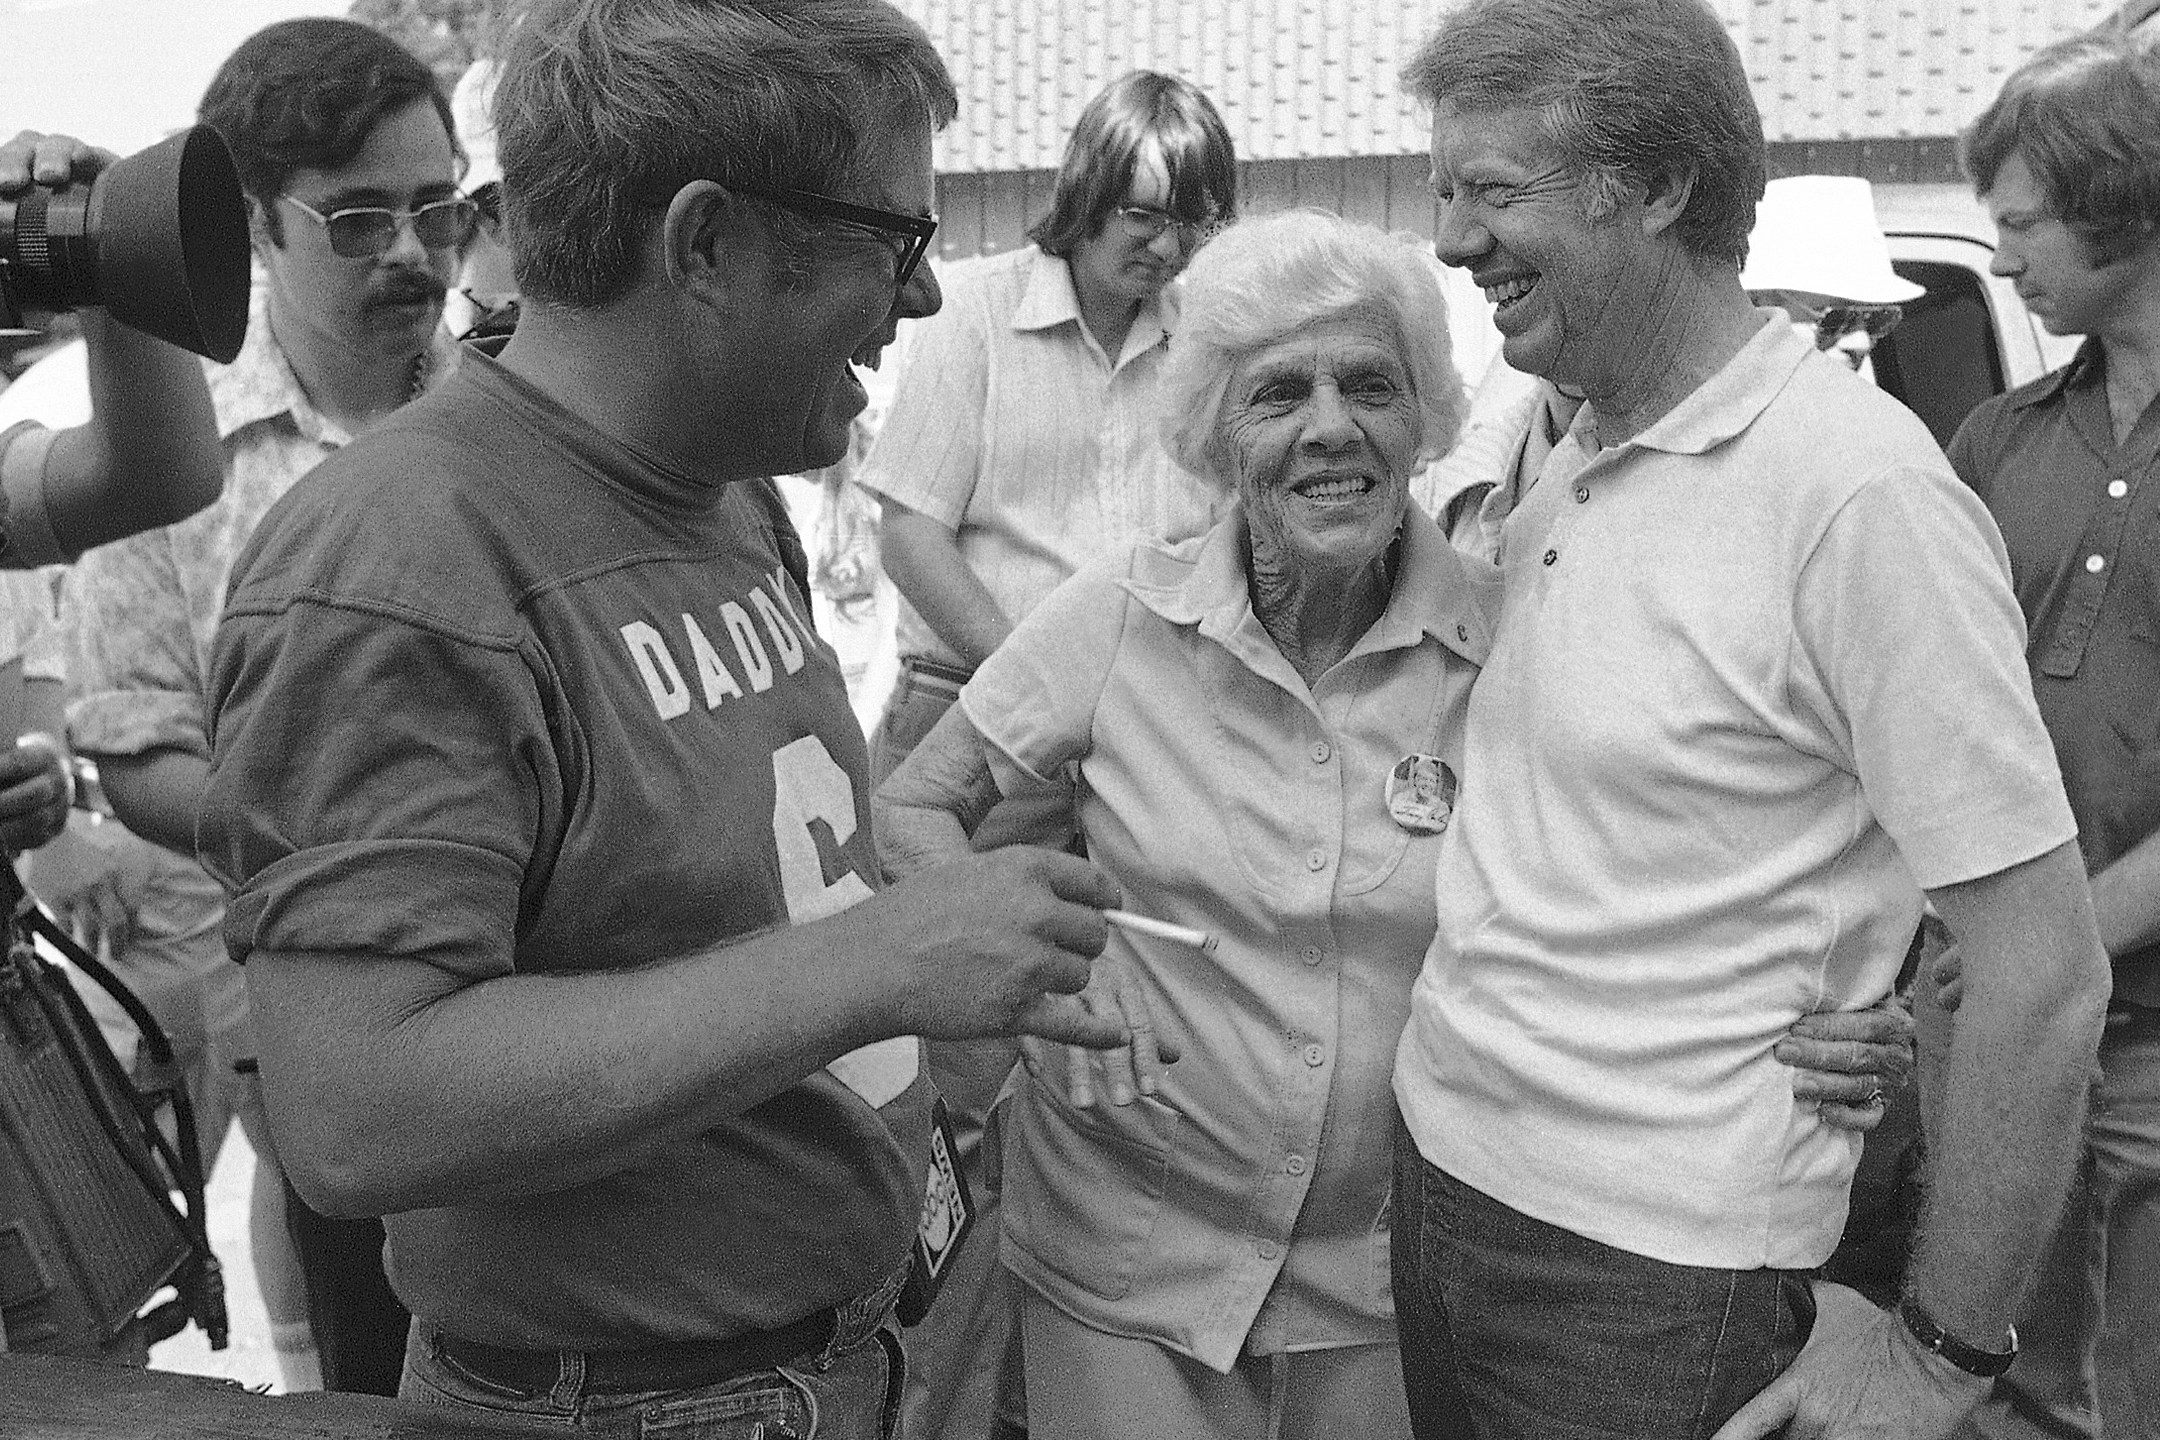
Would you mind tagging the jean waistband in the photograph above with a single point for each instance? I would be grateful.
(814, 1342)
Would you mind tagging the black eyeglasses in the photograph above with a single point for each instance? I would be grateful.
(1834, 322)
(908, 236)
(362, 232)
(1145, 222)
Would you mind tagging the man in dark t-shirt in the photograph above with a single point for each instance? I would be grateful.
(542, 801)
(2067, 161)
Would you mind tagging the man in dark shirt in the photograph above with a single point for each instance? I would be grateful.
(2067, 161)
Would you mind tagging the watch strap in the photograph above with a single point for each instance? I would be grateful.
(1969, 1358)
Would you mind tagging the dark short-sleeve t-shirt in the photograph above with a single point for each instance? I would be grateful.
(496, 693)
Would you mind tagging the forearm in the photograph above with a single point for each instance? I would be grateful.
(2126, 899)
(395, 1084)
(149, 455)
(923, 557)
(2020, 1061)
(926, 810)
(157, 794)
(386, 1098)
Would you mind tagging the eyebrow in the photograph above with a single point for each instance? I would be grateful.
(361, 197)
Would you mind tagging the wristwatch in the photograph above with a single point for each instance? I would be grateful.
(1969, 1358)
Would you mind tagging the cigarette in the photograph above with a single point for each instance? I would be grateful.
(1163, 930)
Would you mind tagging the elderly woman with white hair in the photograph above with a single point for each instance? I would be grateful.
(1267, 722)
(1207, 1254)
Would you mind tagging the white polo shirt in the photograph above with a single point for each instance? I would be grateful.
(1759, 678)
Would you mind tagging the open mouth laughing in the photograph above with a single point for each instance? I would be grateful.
(1505, 295)
(1334, 489)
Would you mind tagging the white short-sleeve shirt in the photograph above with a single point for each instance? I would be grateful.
(1759, 678)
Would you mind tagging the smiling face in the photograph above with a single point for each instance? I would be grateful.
(1571, 292)
(384, 306)
(2051, 265)
(1321, 430)
(802, 342)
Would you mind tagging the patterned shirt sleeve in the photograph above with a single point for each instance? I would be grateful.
(137, 675)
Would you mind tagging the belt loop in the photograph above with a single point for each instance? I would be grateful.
(569, 1392)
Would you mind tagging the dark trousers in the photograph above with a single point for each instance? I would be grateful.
(1513, 1329)
(359, 1323)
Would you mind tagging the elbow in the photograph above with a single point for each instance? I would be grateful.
(348, 1166)
(338, 1188)
(194, 489)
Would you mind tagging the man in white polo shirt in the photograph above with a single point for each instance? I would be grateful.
(1758, 683)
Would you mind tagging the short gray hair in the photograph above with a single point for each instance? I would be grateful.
(606, 108)
(1263, 280)
(1628, 92)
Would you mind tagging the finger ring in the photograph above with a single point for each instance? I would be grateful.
(1875, 1099)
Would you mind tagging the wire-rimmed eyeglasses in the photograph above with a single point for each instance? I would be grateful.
(361, 232)
(1145, 222)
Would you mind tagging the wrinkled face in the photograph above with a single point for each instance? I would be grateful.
(1570, 292)
(2049, 262)
(384, 306)
(807, 340)
(1321, 431)
(1120, 261)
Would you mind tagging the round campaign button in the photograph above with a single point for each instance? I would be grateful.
(1421, 793)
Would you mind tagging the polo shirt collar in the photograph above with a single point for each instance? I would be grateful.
(2085, 368)
(1049, 300)
(1439, 592)
(1731, 400)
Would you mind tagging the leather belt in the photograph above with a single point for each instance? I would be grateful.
(676, 1365)
(952, 675)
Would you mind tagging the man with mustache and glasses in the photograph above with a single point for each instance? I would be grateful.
(346, 153)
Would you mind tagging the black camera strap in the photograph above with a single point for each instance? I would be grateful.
(160, 1164)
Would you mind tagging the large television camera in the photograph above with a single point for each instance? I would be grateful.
(159, 239)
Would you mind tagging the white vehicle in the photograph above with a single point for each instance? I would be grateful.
(1969, 337)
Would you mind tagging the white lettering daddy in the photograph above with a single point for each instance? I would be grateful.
(663, 668)
(662, 680)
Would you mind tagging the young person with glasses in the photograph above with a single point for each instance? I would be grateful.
(345, 151)
(1021, 444)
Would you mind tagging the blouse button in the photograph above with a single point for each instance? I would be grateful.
(1320, 752)
(2094, 564)
(1310, 954)
(1315, 1056)
(1269, 1250)
(1316, 859)
(1582, 494)
(1551, 556)
(1462, 632)
(1295, 1165)
(2118, 488)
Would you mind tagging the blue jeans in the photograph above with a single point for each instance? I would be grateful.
(1512, 1329)
(850, 1395)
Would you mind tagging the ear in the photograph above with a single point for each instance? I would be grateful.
(1667, 200)
(705, 239)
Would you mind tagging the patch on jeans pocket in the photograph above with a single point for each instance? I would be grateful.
(766, 1405)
